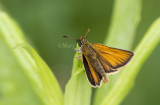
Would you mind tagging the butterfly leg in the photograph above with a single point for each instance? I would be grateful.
(79, 50)
(78, 57)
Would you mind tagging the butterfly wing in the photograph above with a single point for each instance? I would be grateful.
(88, 71)
(112, 58)
(93, 75)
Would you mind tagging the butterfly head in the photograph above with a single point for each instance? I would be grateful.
(81, 40)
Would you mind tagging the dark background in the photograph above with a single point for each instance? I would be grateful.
(44, 22)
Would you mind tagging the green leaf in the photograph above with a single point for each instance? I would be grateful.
(128, 75)
(78, 89)
(125, 19)
(25, 79)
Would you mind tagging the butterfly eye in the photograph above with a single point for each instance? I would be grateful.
(79, 43)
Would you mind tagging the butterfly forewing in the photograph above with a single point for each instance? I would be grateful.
(91, 72)
(88, 71)
(112, 58)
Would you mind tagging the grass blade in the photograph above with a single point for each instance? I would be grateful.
(125, 19)
(78, 89)
(42, 84)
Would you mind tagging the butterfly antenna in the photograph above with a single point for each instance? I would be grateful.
(69, 37)
(87, 31)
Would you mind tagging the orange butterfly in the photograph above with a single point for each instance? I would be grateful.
(99, 60)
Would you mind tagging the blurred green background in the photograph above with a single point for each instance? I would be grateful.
(46, 21)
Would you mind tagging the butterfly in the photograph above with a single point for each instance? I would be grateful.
(100, 60)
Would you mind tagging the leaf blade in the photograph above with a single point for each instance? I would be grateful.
(78, 90)
(35, 70)
(125, 19)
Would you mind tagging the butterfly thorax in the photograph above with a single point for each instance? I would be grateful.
(88, 51)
